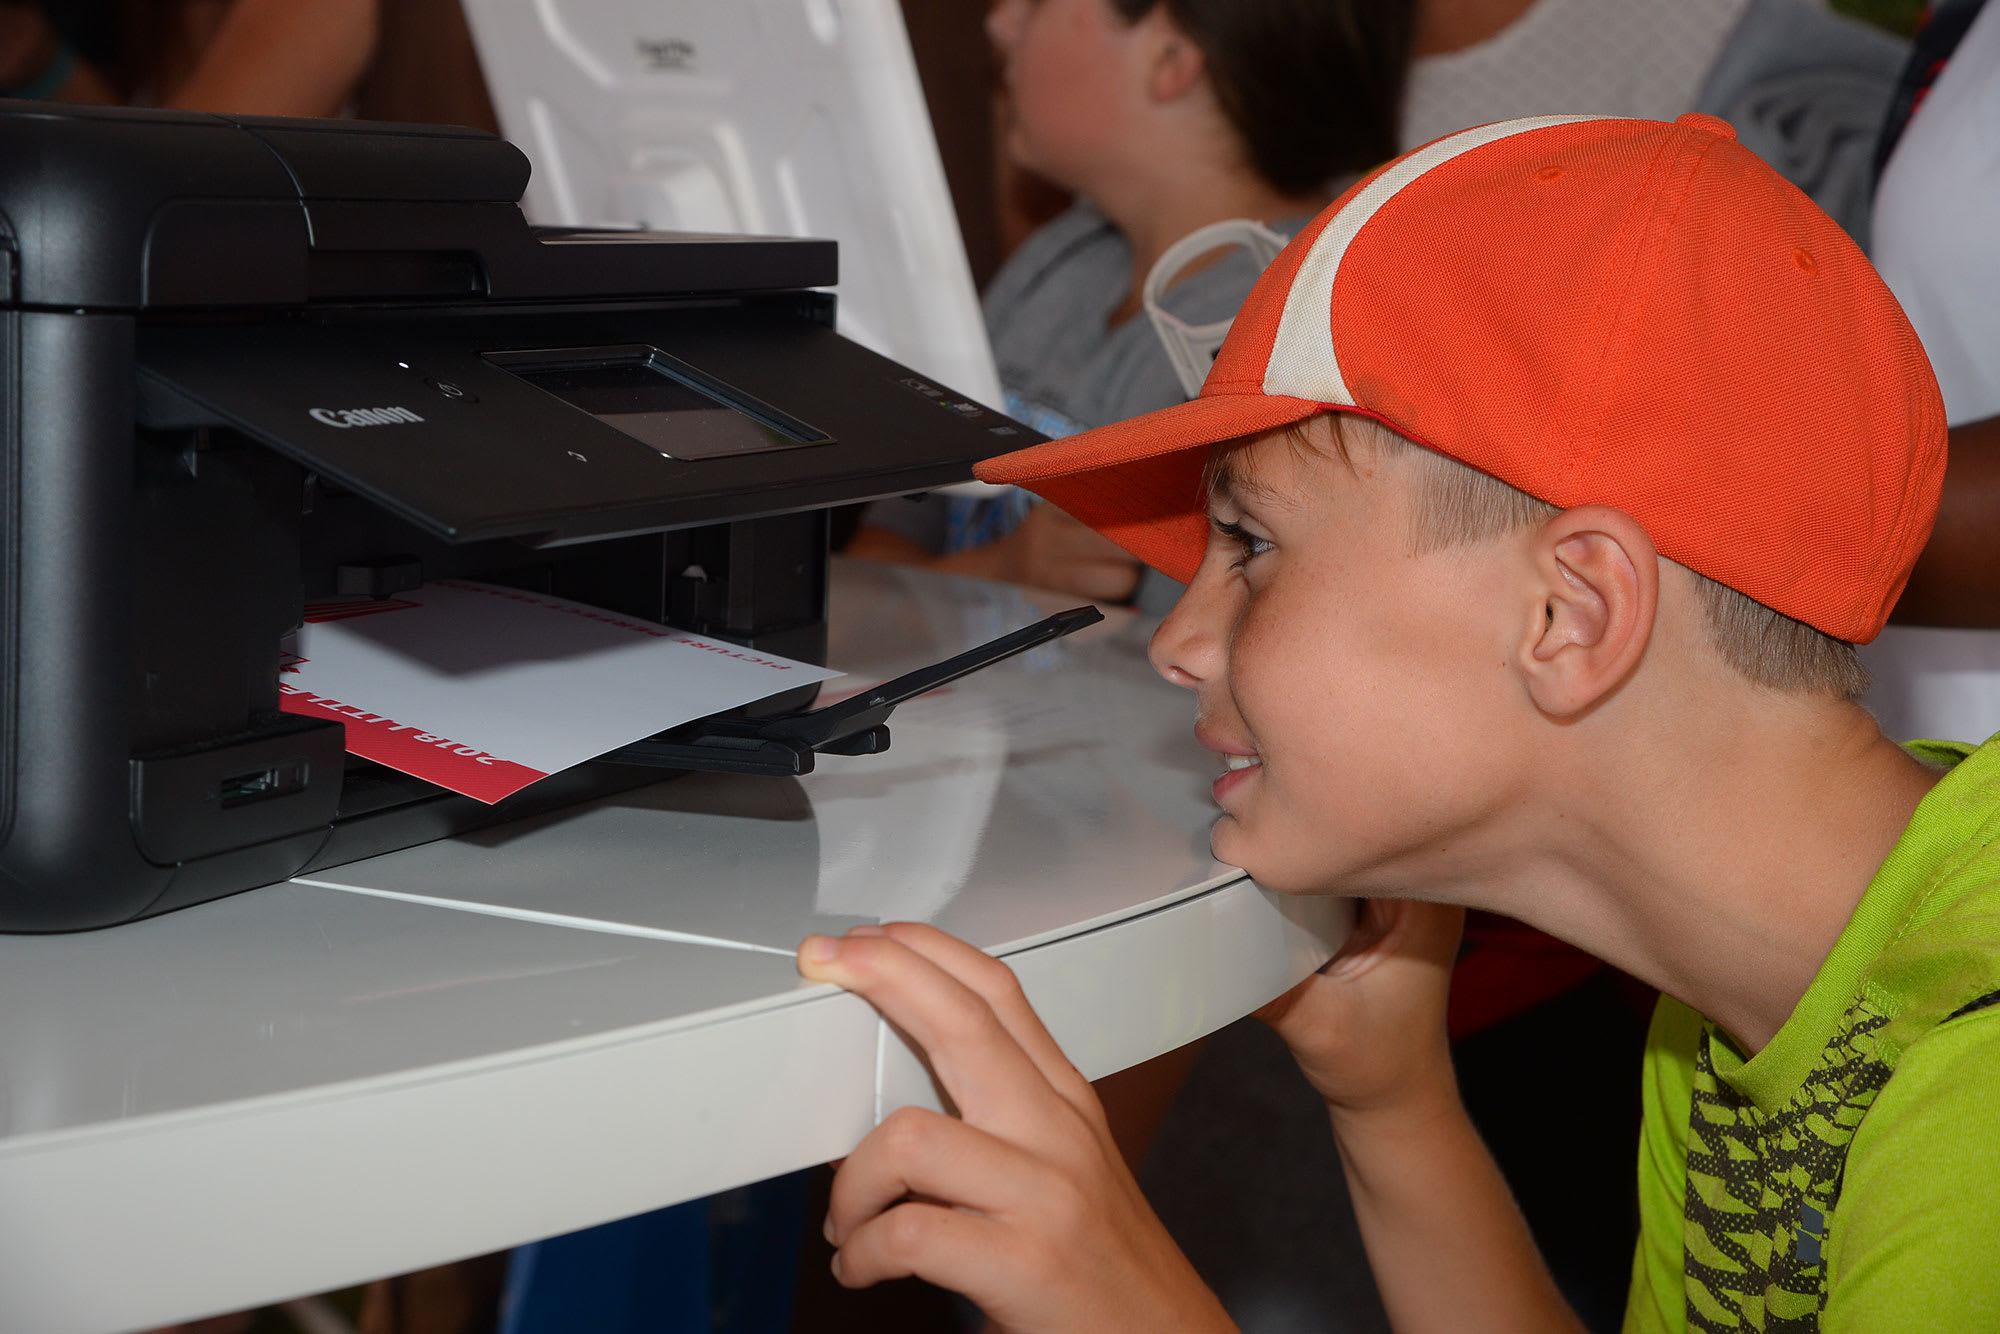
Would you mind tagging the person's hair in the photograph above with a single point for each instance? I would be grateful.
(1458, 505)
(1314, 88)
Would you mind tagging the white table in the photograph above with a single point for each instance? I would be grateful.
(476, 1043)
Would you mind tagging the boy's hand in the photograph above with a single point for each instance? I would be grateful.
(1448, 1246)
(1368, 1029)
(1022, 1201)
(1049, 549)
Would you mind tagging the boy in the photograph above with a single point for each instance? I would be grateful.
(1582, 656)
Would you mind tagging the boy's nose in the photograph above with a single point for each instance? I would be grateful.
(1187, 647)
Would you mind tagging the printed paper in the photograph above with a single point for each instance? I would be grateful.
(484, 690)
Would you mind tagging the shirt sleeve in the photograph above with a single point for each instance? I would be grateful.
(1911, 1243)
(1657, 1302)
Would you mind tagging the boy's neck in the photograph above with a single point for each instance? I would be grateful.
(1727, 863)
(1171, 196)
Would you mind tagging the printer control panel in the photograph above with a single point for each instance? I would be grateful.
(661, 401)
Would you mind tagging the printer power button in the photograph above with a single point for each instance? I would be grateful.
(450, 390)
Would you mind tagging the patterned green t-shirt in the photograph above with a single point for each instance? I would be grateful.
(1848, 1176)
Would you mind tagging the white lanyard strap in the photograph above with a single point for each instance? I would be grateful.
(1192, 347)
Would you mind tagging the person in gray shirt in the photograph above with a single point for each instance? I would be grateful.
(1161, 117)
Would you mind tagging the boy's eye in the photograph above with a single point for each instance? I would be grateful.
(1248, 543)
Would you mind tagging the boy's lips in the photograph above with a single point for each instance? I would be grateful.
(1236, 776)
(1240, 761)
(1212, 738)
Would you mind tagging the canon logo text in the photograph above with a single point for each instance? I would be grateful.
(346, 417)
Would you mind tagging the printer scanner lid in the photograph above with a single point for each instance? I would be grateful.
(119, 208)
(567, 427)
(369, 300)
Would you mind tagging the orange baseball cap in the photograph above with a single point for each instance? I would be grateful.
(1595, 311)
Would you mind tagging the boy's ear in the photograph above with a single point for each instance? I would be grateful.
(1177, 63)
(1600, 586)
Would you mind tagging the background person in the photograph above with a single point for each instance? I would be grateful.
(244, 57)
(1805, 88)
(1160, 116)
(1937, 214)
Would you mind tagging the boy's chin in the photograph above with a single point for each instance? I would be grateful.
(1221, 835)
(1229, 843)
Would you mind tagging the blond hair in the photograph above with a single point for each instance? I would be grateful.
(1458, 505)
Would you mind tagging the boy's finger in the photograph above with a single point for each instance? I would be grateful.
(920, 1152)
(949, 1247)
(996, 983)
(981, 1066)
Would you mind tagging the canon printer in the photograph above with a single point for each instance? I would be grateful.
(253, 362)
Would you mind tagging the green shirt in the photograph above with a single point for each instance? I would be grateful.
(1847, 1177)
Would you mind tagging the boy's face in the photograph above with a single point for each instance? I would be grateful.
(1066, 65)
(1366, 692)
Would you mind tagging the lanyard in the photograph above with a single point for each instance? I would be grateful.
(1192, 347)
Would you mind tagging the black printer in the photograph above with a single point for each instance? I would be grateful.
(252, 362)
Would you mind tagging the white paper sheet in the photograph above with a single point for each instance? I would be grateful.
(485, 690)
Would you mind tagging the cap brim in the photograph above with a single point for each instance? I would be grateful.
(1138, 482)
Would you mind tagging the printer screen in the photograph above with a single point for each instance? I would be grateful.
(661, 401)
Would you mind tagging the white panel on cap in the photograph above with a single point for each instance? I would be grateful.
(1303, 363)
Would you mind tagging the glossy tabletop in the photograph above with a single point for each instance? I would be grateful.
(471, 1044)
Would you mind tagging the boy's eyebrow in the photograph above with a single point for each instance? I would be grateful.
(1226, 481)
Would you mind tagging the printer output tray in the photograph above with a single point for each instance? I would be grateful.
(382, 810)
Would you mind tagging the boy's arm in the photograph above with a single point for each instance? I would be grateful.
(1021, 1202)
(1048, 549)
(1446, 1241)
